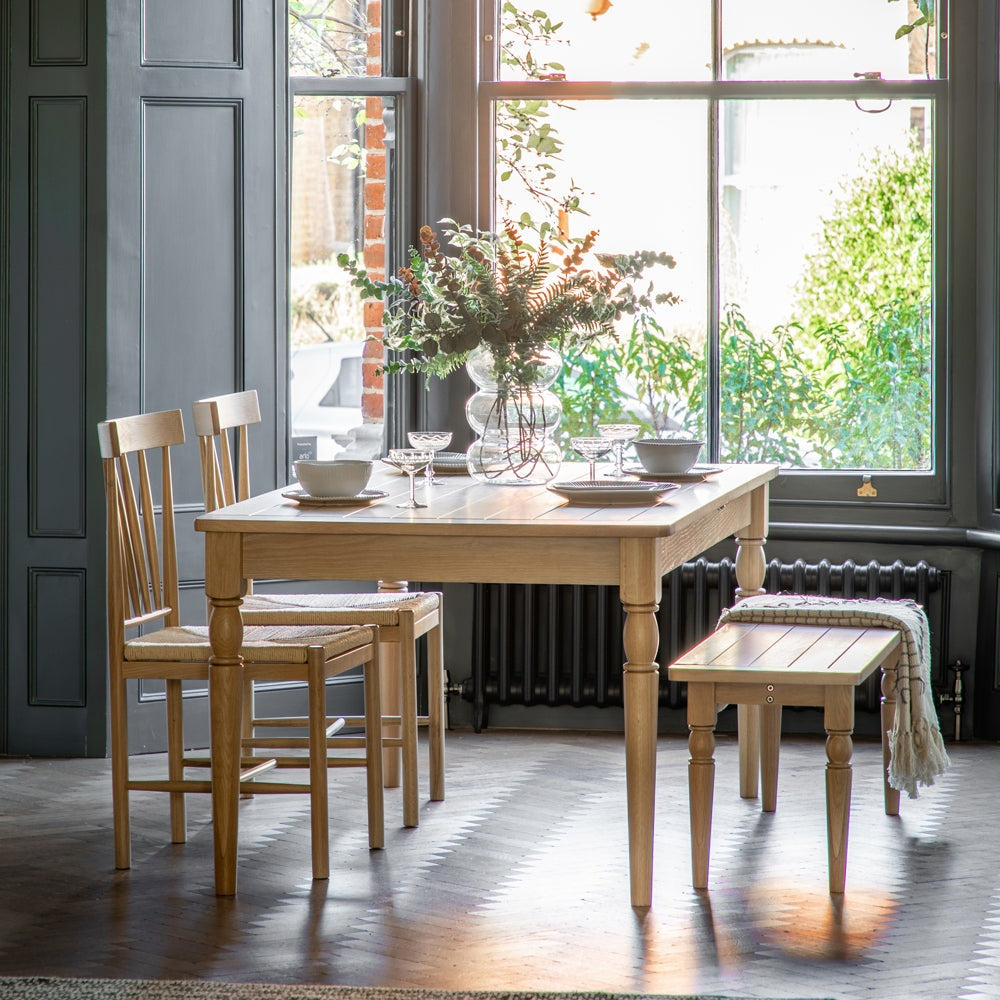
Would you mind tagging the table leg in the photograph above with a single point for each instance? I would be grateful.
(838, 720)
(225, 696)
(640, 595)
(391, 697)
(750, 570)
(750, 563)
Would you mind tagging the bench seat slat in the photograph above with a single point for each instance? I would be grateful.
(801, 654)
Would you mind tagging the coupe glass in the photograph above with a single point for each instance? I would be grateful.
(592, 448)
(432, 441)
(411, 461)
(620, 435)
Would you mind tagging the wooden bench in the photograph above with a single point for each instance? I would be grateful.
(767, 666)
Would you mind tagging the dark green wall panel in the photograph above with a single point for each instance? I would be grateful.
(59, 32)
(57, 319)
(57, 666)
(167, 38)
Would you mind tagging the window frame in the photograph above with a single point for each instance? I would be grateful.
(395, 83)
(828, 493)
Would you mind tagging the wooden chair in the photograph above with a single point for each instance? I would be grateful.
(143, 590)
(770, 665)
(402, 617)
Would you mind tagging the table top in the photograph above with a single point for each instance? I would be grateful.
(463, 506)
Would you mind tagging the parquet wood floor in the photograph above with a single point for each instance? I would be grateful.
(519, 880)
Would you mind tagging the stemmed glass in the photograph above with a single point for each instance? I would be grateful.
(592, 448)
(432, 441)
(411, 461)
(620, 434)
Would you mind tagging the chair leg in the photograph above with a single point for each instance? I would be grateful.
(701, 777)
(246, 726)
(119, 772)
(838, 720)
(889, 682)
(175, 756)
(770, 746)
(391, 654)
(318, 777)
(407, 658)
(435, 707)
(373, 748)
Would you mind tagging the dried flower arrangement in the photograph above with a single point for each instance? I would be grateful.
(497, 291)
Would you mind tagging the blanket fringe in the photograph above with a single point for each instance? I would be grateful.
(918, 756)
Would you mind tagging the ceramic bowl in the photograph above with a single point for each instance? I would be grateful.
(338, 478)
(665, 456)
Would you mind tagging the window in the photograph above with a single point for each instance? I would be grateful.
(791, 157)
(345, 193)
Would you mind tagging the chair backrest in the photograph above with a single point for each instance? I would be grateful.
(225, 464)
(142, 568)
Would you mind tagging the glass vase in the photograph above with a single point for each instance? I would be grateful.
(514, 416)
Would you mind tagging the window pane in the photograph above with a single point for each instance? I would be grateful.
(334, 37)
(826, 237)
(793, 40)
(665, 40)
(651, 193)
(337, 206)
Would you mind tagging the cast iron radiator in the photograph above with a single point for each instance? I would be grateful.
(538, 644)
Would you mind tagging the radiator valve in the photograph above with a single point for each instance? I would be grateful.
(956, 696)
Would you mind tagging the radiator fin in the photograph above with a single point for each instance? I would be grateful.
(561, 645)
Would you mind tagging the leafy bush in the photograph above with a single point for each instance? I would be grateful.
(847, 384)
(767, 394)
(874, 247)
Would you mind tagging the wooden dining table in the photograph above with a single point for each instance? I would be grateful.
(481, 533)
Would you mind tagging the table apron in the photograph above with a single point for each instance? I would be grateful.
(435, 558)
(712, 527)
(475, 558)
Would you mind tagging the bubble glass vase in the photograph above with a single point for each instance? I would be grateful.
(514, 414)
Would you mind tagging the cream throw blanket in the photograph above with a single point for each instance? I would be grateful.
(918, 753)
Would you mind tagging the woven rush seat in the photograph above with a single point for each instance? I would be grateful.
(322, 609)
(190, 643)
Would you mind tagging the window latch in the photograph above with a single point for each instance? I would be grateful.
(866, 489)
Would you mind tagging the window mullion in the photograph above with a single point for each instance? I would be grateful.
(713, 419)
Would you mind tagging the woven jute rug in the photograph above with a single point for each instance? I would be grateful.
(198, 989)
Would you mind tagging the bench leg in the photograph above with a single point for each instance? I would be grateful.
(838, 720)
(701, 776)
(748, 728)
(889, 681)
(770, 742)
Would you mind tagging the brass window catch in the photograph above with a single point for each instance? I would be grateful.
(866, 489)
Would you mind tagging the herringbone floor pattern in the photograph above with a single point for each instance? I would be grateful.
(519, 880)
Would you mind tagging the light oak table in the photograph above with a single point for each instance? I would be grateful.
(477, 533)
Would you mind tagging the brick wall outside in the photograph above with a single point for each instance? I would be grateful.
(372, 394)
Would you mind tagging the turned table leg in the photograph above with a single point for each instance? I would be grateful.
(838, 720)
(223, 585)
(640, 595)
